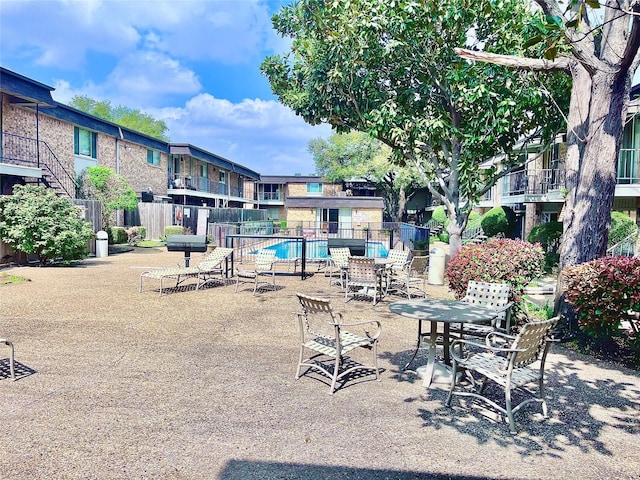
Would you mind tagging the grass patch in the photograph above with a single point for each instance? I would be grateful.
(150, 244)
(6, 279)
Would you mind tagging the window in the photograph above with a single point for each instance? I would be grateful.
(203, 170)
(84, 142)
(222, 177)
(153, 157)
(314, 188)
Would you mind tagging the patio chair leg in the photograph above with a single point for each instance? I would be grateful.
(11, 358)
(336, 370)
(375, 361)
(543, 397)
(507, 401)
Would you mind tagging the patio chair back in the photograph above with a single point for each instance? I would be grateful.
(399, 258)
(492, 295)
(265, 260)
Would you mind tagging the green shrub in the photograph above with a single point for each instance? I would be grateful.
(116, 235)
(443, 237)
(600, 290)
(621, 227)
(548, 235)
(498, 220)
(173, 230)
(499, 260)
(439, 215)
(34, 220)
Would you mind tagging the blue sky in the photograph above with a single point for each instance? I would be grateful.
(192, 63)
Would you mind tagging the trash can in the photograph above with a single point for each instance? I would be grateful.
(102, 244)
(437, 260)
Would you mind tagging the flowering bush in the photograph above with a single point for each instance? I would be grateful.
(601, 291)
(499, 260)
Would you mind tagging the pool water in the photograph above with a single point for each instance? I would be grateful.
(318, 249)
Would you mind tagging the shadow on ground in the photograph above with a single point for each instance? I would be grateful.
(579, 410)
(243, 469)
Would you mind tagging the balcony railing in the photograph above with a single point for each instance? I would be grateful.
(206, 185)
(628, 167)
(31, 152)
(270, 196)
(539, 182)
(546, 180)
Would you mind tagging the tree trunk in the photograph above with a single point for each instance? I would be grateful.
(594, 132)
(455, 235)
(401, 205)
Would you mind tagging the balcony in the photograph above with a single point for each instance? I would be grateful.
(207, 188)
(544, 185)
(628, 181)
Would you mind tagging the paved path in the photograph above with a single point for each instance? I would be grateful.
(116, 384)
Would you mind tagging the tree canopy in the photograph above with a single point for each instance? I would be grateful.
(389, 69)
(125, 116)
(358, 155)
(597, 45)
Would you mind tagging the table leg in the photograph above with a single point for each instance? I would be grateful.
(446, 341)
(431, 360)
(415, 352)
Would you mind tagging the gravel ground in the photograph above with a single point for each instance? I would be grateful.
(117, 384)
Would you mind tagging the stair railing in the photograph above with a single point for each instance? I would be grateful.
(19, 150)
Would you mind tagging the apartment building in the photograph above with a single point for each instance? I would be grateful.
(49, 143)
(311, 202)
(536, 191)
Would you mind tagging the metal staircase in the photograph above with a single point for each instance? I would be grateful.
(31, 152)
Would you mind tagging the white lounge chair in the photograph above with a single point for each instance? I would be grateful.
(208, 269)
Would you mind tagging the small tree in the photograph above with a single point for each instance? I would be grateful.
(110, 189)
(34, 220)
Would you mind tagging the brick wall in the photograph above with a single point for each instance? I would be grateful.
(58, 135)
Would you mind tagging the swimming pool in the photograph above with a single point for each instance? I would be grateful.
(318, 249)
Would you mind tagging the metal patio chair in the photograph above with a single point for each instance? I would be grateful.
(265, 265)
(12, 368)
(487, 294)
(338, 264)
(363, 279)
(412, 279)
(506, 361)
(324, 333)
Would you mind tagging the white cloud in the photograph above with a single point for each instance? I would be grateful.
(227, 31)
(262, 135)
(167, 58)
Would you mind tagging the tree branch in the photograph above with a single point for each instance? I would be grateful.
(560, 64)
(633, 44)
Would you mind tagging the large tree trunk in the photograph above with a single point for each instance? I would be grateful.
(401, 206)
(594, 131)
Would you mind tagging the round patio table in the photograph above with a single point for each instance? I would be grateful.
(445, 312)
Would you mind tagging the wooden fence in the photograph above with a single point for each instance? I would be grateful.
(197, 220)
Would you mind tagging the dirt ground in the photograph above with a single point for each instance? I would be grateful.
(118, 384)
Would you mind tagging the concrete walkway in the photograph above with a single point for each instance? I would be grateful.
(117, 384)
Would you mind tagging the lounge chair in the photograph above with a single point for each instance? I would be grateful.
(208, 269)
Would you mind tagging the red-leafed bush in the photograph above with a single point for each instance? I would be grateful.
(601, 291)
(499, 260)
